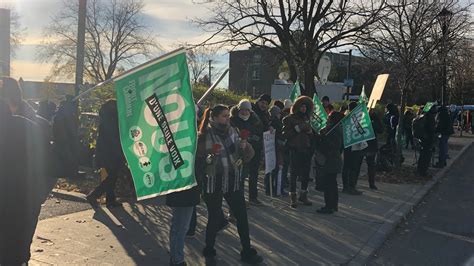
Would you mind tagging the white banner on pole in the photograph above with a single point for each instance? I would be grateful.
(269, 148)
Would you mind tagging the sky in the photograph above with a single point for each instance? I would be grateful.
(168, 19)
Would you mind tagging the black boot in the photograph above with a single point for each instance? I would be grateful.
(293, 203)
(250, 257)
(304, 198)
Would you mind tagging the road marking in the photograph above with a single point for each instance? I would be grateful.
(458, 237)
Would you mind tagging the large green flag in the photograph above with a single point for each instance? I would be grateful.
(363, 97)
(319, 117)
(295, 92)
(357, 126)
(157, 122)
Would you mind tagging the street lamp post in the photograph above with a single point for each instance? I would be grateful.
(444, 18)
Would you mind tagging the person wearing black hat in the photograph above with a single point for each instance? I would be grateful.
(260, 108)
(328, 155)
(444, 128)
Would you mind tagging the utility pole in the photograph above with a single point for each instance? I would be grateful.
(349, 66)
(5, 42)
(210, 70)
(81, 34)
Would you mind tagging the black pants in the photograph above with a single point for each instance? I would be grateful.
(425, 158)
(251, 170)
(236, 203)
(351, 168)
(371, 167)
(331, 196)
(300, 165)
(286, 166)
(107, 186)
(409, 138)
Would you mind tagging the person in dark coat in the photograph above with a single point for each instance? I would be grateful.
(352, 163)
(25, 167)
(66, 137)
(277, 125)
(244, 118)
(47, 110)
(109, 154)
(370, 152)
(328, 154)
(298, 133)
(444, 128)
(427, 142)
(407, 128)
(391, 123)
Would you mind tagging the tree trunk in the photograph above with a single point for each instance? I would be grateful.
(309, 74)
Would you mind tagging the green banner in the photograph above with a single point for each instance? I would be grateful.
(295, 92)
(157, 122)
(319, 117)
(357, 126)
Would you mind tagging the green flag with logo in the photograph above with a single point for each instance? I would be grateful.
(319, 117)
(428, 106)
(295, 92)
(357, 126)
(157, 122)
(363, 97)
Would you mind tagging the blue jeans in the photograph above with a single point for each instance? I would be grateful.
(443, 149)
(179, 227)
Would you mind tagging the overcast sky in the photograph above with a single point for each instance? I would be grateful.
(169, 20)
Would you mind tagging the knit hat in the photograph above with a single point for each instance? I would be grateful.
(279, 104)
(288, 103)
(264, 97)
(245, 104)
(274, 111)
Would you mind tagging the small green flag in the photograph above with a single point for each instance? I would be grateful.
(357, 126)
(157, 122)
(319, 117)
(428, 106)
(363, 97)
(295, 92)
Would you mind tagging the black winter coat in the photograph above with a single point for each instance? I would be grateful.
(24, 180)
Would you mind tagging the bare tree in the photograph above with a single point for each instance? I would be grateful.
(301, 30)
(406, 38)
(116, 37)
(198, 60)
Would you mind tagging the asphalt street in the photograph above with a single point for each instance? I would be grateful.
(440, 231)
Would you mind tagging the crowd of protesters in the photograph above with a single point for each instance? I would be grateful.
(42, 146)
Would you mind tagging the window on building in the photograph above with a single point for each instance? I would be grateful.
(257, 59)
(256, 74)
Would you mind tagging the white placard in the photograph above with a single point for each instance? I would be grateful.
(269, 148)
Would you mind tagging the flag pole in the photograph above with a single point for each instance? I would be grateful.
(105, 82)
(212, 87)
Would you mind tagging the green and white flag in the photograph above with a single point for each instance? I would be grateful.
(363, 97)
(295, 92)
(319, 117)
(428, 106)
(357, 126)
(157, 121)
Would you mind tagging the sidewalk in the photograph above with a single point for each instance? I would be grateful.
(138, 233)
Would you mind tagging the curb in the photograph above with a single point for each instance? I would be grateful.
(399, 212)
(68, 195)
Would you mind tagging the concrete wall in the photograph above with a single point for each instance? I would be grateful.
(4, 42)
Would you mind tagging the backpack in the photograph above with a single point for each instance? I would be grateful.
(418, 126)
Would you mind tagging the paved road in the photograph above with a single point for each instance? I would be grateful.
(57, 206)
(441, 229)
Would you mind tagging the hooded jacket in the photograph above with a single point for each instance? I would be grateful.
(253, 125)
(296, 126)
